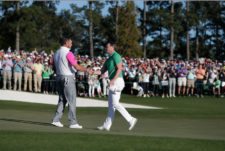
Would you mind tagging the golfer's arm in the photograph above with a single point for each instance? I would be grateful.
(118, 71)
(80, 68)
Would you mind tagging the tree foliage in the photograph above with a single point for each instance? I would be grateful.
(42, 25)
(128, 33)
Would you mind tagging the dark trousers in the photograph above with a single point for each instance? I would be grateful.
(45, 85)
(199, 86)
(156, 89)
(145, 87)
(165, 89)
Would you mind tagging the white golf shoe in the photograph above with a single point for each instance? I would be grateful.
(132, 123)
(102, 128)
(57, 124)
(77, 126)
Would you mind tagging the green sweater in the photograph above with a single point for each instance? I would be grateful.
(46, 73)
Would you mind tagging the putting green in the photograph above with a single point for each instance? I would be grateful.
(194, 124)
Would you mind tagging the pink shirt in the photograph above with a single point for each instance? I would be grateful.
(200, 73)
(71, 59)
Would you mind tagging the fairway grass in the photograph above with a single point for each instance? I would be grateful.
(188, 124)
(35, 141)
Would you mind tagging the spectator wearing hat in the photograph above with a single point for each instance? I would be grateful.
(155, 81)
(213, 74)
(81, 74)
(146, 80)
(91, 84)
(38, 69)
(182, 80)
(200, 74)
(28, 69)
(172, 81)
(18, 70)
(46, 77)
(9, 49)
(7, 65)
(216, 87)
(164, 84)
(132, 74)
(190, 81)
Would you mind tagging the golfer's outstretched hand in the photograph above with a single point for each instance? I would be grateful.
(98, 72)
(90, 71)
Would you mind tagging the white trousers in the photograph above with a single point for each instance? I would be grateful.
(91, 90)
(172, 86)
(105, 84)
(114, 104)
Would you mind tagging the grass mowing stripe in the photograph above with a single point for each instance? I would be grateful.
(176, 108)
(12, 140)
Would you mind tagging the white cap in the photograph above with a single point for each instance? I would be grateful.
(99, 58)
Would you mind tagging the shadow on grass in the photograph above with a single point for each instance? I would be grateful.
(25, 121)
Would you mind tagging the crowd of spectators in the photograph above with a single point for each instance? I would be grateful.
(33, 71)
(171, 78)
(25, 71)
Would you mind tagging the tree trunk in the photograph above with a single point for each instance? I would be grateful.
(18, 29)
(188, 37)
(144, 29)
(197, 44)
(172, 32)
(91, 30)
(218, 52)
(117, 19)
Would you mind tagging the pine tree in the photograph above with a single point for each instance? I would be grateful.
(89, 29)
(128, 32)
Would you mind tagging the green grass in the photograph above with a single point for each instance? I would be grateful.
(184, 124)
(101, 142)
